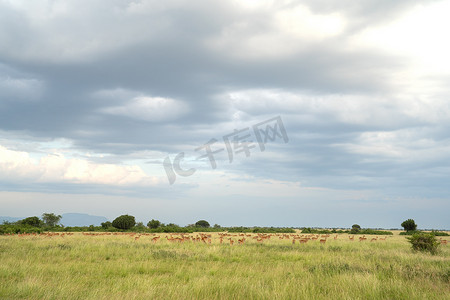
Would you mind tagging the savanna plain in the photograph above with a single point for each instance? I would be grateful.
(219, 266)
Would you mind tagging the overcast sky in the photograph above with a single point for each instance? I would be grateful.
(95, 95)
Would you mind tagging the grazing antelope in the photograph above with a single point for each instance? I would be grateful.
(323, 241)
(362, 238)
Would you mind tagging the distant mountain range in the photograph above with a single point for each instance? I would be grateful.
(68, 219)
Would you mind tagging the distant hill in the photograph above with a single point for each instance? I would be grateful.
(68, 219)
(8, 219)
(75, 219)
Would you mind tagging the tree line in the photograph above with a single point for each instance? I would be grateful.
(51, 222)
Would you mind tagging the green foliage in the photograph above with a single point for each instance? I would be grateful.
(374, 232)
(152, 224)
(50, 219)
(439, 233)
(18, 228)
(31, 221)
(202, 223)
(356, 226)
(140, 227)
(106, 224)
(433, 232)
(409, 225)
(124, 222)
(422, 241)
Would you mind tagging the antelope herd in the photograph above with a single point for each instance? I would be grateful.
(206, 238)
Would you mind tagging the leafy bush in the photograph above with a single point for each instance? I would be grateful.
(124, 222)
(409, 225)
(152, 224)
(439, 233)
(18, 228)
(375, 232)
(106, 224)
(31, 221)
(424, 242)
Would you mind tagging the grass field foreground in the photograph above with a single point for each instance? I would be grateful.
(132, 266)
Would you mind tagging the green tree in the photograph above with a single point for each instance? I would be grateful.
(124, 222)
(153, 224)
(355, 229)
(202, 223)
(409, 225)
(50, 219)
(106, 224)
(32, 221)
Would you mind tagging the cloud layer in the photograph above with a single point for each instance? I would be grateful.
(362, 89)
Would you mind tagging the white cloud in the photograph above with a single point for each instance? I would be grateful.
(151, 109)
(408, 146)
(368, 110)
(19, 166)
(273, 30)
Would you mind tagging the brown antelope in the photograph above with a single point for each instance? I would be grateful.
(362, 238)
(231, 242)
(323, 241)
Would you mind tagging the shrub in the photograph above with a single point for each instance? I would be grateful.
(409, 225)
(424, 242)
(439, 233)
(106, 224)
(152, 224)
(124, 222)
(32, 221)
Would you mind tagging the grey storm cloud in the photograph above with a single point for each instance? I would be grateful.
(147, 79)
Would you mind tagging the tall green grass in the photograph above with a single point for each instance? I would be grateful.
(120, 267)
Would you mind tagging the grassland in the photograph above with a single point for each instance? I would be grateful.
(122, 267)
